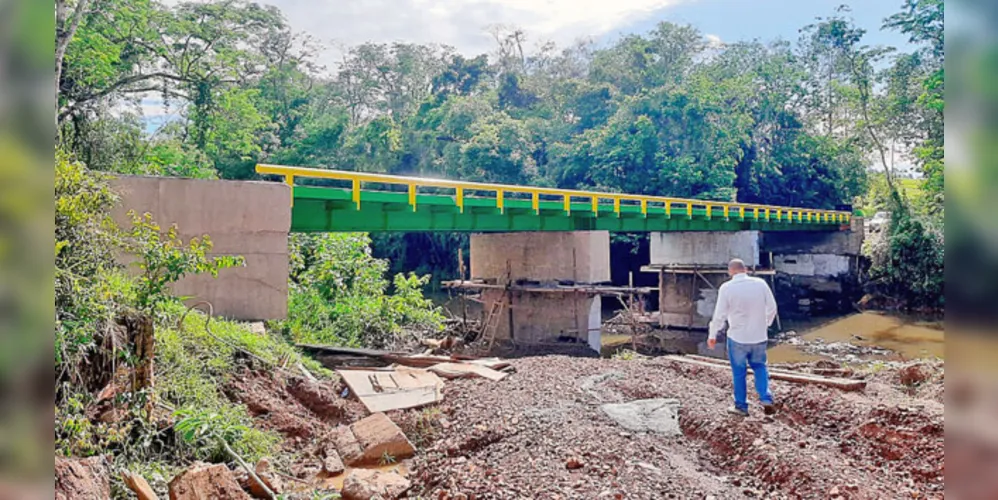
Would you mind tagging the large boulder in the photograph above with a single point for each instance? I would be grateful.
(365, 484)
(82, 479)
(206, 482)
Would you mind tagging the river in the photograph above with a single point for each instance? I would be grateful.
(905, 337)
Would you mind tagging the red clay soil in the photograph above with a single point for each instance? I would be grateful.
(300, 410)
(82, 478)
(541, 434)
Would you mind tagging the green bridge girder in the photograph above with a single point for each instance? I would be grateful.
(327, 209)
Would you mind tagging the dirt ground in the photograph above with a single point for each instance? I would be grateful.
(540, 434)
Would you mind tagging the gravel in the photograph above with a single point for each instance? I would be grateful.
(540, 433)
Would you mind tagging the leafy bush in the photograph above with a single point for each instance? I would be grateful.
(193, 363)
(907, 261)
(90, 289)
(339, 294)
(164, 259)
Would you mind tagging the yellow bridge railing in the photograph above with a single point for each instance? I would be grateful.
(743, 210)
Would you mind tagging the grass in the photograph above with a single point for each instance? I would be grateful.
(195, 361)
(626, 355)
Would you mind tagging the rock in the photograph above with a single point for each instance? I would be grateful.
(82, 479)
(331, 463)
(347, 445)
(574, 463)
(834, 491)
(370, 439)
(364, 484)
(271, 480)
(206, 481)
(139, 486)
(659, 415)
(758, 442)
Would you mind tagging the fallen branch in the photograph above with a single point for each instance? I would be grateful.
(800, 378)
(252, 473)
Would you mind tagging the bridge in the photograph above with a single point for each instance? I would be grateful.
(542, 254)
(359, 201)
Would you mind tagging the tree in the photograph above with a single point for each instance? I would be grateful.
(922, 21)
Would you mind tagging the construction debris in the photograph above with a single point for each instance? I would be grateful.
(270, 481)
(202, 481)
(844, 384)
(371, 441)
(462, 370)
(363, 484)
(138, 485)
(396, 389)
(660, 415)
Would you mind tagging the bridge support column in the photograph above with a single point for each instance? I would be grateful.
(816, 273)
(691, 266)
(539, 280)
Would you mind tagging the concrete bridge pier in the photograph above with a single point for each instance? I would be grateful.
(540, 284)
(816, 273)
(691, 265)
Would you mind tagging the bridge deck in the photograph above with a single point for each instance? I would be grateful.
(439, 205)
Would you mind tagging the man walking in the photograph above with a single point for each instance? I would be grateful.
(747, 305)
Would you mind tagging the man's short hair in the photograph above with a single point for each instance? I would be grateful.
(737, 265)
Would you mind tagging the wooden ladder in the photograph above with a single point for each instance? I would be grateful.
(492, 321)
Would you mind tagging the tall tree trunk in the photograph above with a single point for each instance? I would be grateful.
(63, 35)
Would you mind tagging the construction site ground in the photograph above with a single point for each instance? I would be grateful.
(540, 433)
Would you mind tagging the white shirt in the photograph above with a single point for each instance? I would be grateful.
(746, 303)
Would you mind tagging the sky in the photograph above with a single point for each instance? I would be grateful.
(463, 24)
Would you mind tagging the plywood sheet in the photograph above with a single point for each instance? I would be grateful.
(392, 390)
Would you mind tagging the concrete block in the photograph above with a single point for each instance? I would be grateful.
(703, 248)
(579, 256)
(251, 219)
(806, 242)
(812, 264)
(659, 415)
(543, 317)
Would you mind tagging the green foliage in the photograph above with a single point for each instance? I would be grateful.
(194, 362)
(165, 258)
(907, 261)
(90, 289)
(339, 294)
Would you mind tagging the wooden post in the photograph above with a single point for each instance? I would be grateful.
(661, 297)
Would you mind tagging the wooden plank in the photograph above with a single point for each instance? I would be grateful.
(800, 378)
(460, 370)
(396, 389)
(353, 351)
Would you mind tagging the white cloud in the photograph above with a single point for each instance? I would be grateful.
(459, 23)
(713, 40)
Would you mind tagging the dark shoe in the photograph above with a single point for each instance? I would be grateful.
(734, 410)
(768, 408)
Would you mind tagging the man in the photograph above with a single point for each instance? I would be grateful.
(747, 305)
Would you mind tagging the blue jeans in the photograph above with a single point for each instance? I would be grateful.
(741, 357)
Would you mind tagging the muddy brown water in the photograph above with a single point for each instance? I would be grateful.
(906, 337)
